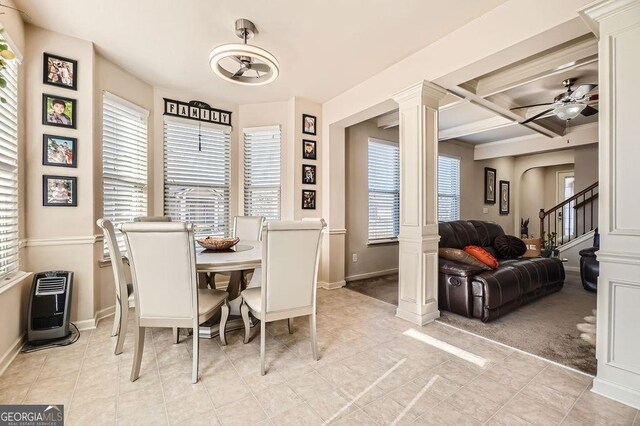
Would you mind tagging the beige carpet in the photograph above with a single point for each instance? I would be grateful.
(545, 327)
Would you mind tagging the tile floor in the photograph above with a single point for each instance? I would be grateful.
(369, 373)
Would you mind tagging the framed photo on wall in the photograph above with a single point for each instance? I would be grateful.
(59, 151)
(308, 174)
(308, 124)
(59, 71)
(308, 199)
(489, 185)
(504, 197)
(58, 111)
(308, 149)
(59, 191)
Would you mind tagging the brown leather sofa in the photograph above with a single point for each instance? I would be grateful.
(475, 293)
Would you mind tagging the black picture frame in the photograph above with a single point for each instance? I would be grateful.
(59, 191)
(505, 197)
(308, 149)
(60, 72)
(489, 185)
(308, 174)
(309, 124)
(63, 119)
(308, 199)
(56, 151)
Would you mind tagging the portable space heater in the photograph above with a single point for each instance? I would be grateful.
(50, 306)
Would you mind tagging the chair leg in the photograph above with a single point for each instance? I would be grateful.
(116, 320)
(196, 356)
(263, 333)
(137, 353)
(124, 320)
(290, 320)
(223, 323)
(244, 311)
(314, 340)
(176, 335)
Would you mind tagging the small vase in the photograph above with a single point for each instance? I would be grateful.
(524, 232)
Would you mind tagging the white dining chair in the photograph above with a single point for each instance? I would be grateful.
(247, 228)
(290, 256)
(163, 267)
(124, 289)
(152, 219)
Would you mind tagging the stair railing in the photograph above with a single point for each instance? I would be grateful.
(584, 206)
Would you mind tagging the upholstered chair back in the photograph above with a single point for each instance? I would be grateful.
(162, 257)
(248, 228)
(119, 275)
(290, 255)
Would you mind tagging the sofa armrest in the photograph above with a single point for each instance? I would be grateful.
(451, 267)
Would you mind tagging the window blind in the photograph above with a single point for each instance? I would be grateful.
(197, 175)
(384, 189)
(124, 162)
(448, 188)
(262, 172)
(9, 171)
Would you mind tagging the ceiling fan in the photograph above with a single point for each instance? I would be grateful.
(243, 63)
(567, 105)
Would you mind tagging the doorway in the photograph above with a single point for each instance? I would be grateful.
(565, 189)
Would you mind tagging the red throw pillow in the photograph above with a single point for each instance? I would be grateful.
(482, 255)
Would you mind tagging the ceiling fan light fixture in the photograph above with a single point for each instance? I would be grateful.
(569, 111)
(253, 66)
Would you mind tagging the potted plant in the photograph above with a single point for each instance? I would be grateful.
(524, 227)
(549, 245)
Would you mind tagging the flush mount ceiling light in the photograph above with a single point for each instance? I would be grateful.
(242, 63)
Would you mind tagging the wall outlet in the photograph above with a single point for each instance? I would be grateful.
(354, 257)
(485, 210)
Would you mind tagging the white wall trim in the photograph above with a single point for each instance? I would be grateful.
(93, 322)
(11, 353)
(337, 231)
(576, 241)
(331, 286)
(371, 274)
(68, 241)
(17, 278)
(627, 258)
(616, 392)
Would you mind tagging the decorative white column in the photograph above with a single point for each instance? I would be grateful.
(418, 253)
(617, 24)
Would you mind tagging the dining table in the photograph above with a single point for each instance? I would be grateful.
(246, 255)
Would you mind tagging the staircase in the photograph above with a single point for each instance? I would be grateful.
(572, 218)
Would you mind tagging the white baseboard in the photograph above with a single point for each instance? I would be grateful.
(93, 323)
(11, 353)
(371, 274)
(572, 268)
(331, 286)
(616, 392)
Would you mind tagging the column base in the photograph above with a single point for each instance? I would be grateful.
(627, 396)
(415, 318)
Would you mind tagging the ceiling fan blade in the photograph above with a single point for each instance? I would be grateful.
(530, 106)
(582, 91)
(260, 67)
(537, 116)
(237, 59)
(239, 72)
(589, 110)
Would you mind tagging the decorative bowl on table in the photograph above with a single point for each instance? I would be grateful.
(217, 243)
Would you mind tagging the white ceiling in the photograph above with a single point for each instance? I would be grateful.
(323, 47)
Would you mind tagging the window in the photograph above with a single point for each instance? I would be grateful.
(124, 162)
(448, 188)
(197, 175)
(9, 170)
(262, 172)
(384, 190)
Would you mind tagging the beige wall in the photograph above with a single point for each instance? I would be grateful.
(586, 166)
(551, 184)
(373, 259)
(532, 188)
(504, 171)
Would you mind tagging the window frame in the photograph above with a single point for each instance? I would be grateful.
(396, 210)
